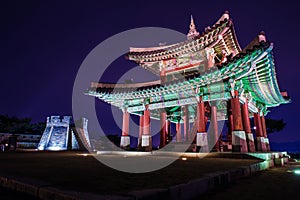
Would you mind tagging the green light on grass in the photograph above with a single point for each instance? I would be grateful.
(297, 171)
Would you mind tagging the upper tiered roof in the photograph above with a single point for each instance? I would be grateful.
(251, 71)
(221, 37)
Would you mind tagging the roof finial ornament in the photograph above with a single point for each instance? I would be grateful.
(262, 37)
(226, 14)
(223, 17)
(192, 25)
(193, 32)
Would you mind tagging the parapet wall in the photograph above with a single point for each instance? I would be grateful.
(58, 135)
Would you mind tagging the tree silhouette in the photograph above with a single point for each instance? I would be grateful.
(19, 125)
(274, 125)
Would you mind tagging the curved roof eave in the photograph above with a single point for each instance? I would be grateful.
(227, 31)
(262, 82)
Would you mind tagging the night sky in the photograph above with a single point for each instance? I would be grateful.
(43, 44)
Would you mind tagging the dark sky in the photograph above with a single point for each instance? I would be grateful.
(43, 44)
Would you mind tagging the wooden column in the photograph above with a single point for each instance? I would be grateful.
(230, 122)
(245, 116)
(201, 139)
(163, 77)
(146, 137)
(125, 125)
(163, 134)
(168, 136)
(264, 130)
(263, 126)
(141, 131)
(201, 126)
(125, 139)
(260, 140)
(146, 130)
(230, 125)
(186, 123)
(247, 127)
(236, 112)
(258, 127)
(178, 132)
(214, 124)
(239, 142)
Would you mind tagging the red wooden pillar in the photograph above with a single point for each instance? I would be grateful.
(201, 126)
(168, 136)
(230, 121)
(201, 139)
(125, 139)
(239, 142)
(260, 140)
(141, 131)
(245, 116)
(125, 127)
(264, 130)
(163, 138)
(257, 123)
(186, 123)
(146, 137)
(178, 132)
(163, 77)
(263, 126)
(247, 127)
(230, 125)
(214, 124)
(236, 113)
(146, 130)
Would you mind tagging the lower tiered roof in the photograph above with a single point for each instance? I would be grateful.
(252, 72)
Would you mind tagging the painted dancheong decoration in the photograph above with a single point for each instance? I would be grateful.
(204, 79)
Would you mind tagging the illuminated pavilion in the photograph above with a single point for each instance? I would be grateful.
(202, 80)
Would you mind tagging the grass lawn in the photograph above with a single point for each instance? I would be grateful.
(68, 170)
